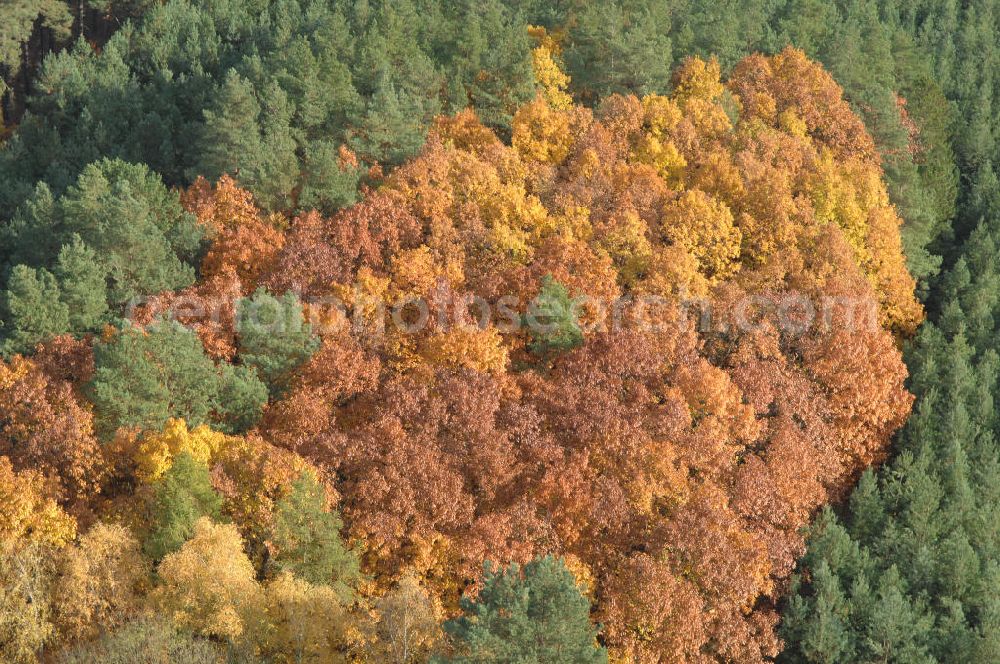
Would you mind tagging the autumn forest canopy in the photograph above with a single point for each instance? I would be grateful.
(492, 332)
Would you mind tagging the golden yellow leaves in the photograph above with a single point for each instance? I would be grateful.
(542, 128)
(664, 156)
(697, 78)
(570, 224)
(415, 273)
(790, 121)
(209, 585)
(834, 196)
(99, 583)
(464, 131)
(655, 146)
(673, 272)
(704, 227)
(408, 624)
(542, 133)
(468, 347)
(626, 241)
(552, 81)
(698, 89)
(305, 622)
(850, 194)
(27, 514)
(767, 87)
(156, 450)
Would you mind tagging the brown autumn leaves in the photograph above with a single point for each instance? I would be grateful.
(671, 462)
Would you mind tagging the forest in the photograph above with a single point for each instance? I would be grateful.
(499, 332)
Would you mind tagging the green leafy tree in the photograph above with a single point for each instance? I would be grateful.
(248, 135)
(182, 496)
(116, 234)
(905, 574)
(31, 237)
(552, 320)
(144, 377)
(825, 635)
(534, 614)
(259, 90)
(307, 537)
(278, 172)
(273, 336)
(121, 225)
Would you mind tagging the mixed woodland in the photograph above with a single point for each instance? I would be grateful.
(229, 434)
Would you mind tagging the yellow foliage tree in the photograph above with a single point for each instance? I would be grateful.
(25, 609)
(552, 81)
(306, 623)
(656, 146)
(407, 627)
(704, 227)
(157, 449)
(469, 347)
(99, 584)
(32, 526)
(627, 243)
(27, 515)
(209, 585)
(698, 78)
(542, 133)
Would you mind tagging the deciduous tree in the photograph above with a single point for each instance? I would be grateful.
(182, 497)
(209, 585)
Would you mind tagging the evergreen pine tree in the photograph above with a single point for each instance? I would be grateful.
(82, 281)
(273, 336)
(390, 131)
(552, 320)
(231, 133)
(32, 310)
(534, 614)
(144, 377)
(135, 226)
(242, 397)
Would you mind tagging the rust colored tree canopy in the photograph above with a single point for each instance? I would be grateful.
(650, 338)
(674, 454)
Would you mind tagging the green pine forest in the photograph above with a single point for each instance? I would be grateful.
(180, 490)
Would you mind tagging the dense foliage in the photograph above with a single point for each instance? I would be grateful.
(269, 90)
(348, 331)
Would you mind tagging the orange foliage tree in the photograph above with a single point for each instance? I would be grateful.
(676, 453)
(735, 270)
(44, 428)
